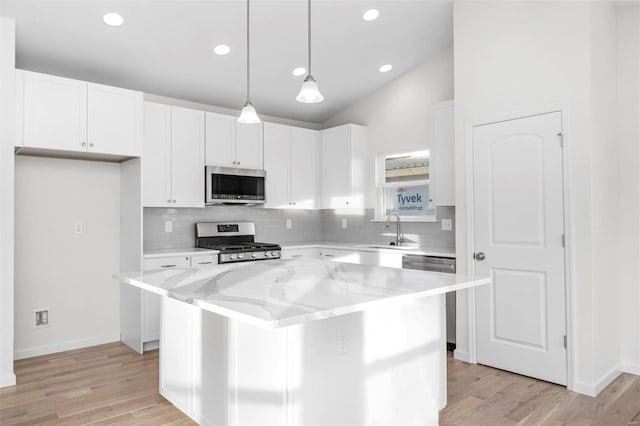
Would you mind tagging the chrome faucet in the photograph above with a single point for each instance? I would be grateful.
(399, 236)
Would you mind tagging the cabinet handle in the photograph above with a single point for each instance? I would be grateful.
(168, 266)
(238, 163)
(204, 263)
(233, 162)
(329, 255)
(347, 203)
(91, 145)
(296, 255)
(168, 201)
(84, 144)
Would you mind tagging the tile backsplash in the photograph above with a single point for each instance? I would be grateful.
(307, 225)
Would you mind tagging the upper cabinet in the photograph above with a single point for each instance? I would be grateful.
(63, 114)
(291, 163)
(346, 172)
(173, 166)
(441, 156)
(231, 144)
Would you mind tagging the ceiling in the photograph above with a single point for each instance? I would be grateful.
(166, 47)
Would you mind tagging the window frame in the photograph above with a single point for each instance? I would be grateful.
(381, 185)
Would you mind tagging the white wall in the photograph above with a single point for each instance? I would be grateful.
(518, 58)
(7, 138)
(55, 268)
(398, 115)
(628, 135)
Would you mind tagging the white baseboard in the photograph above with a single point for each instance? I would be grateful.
(65, 346)
(594, 389)
(7, 380)
(631, 368)
(461, 355)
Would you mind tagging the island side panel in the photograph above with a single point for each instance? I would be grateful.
(386, 365)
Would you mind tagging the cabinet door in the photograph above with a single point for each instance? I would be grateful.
(187, 157)
(441, 156)
(249, 148)
(362, 170)
(220, 140)
(304, 168)
(55, 112)
(156, 164)
(277, 160)
(114, 120)
(336, 168)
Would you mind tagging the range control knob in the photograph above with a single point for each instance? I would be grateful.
(240, 256)
(233, 256)
(274, 253)
(254, 255)
(267, 254)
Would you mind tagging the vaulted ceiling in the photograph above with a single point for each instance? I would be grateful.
(166, 47)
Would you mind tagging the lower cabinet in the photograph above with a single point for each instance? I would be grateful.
(373, 258)
(151, 303)
(298, 253)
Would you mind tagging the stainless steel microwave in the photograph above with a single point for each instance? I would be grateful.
(228, 185)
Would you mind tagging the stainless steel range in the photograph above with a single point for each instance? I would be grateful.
(235, 241)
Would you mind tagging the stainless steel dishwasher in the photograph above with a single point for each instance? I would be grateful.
(438, 264)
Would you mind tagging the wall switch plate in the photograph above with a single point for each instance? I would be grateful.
(342, 342)
(289, 224)
(78, 228)
(447, 224)
(344, 223)
(42, 317)
(168, 226)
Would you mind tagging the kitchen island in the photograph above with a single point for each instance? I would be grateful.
(303, 342)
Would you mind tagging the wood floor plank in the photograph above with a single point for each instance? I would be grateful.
(112, 385)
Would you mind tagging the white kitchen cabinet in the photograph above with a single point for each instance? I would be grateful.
(151, 302)
(54, 112)
(290, 160)
(346, 172)
(441, 156)
(300, 253)
(114, 124)
(173, 162)
(231, 144)
(187, 157)
(249, 146)
(57, 113)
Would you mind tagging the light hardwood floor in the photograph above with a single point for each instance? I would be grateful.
(110, 384)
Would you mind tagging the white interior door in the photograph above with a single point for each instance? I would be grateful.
(519, 227)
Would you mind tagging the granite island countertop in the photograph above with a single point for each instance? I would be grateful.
(278, 293)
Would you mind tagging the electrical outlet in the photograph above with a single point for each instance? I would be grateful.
(342, 342)
(168, 226)
(344, 223)
(78, 228)
(42, 317)
(447, 224)
(289, 224)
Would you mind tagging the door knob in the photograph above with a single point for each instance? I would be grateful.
(479, 256)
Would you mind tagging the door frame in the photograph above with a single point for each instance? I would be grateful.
(570, 292)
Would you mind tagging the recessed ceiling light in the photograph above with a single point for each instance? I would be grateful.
(386, 68)
(371, 14)
(299, 71)
(222, 49)
(113, 19)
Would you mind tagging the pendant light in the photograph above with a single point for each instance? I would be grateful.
(248, 114)
(309, 93)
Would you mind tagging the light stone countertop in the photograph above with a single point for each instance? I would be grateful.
(408, 249)
(278, 293)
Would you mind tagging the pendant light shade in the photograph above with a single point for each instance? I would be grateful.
(248, 114)
(309, 93)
